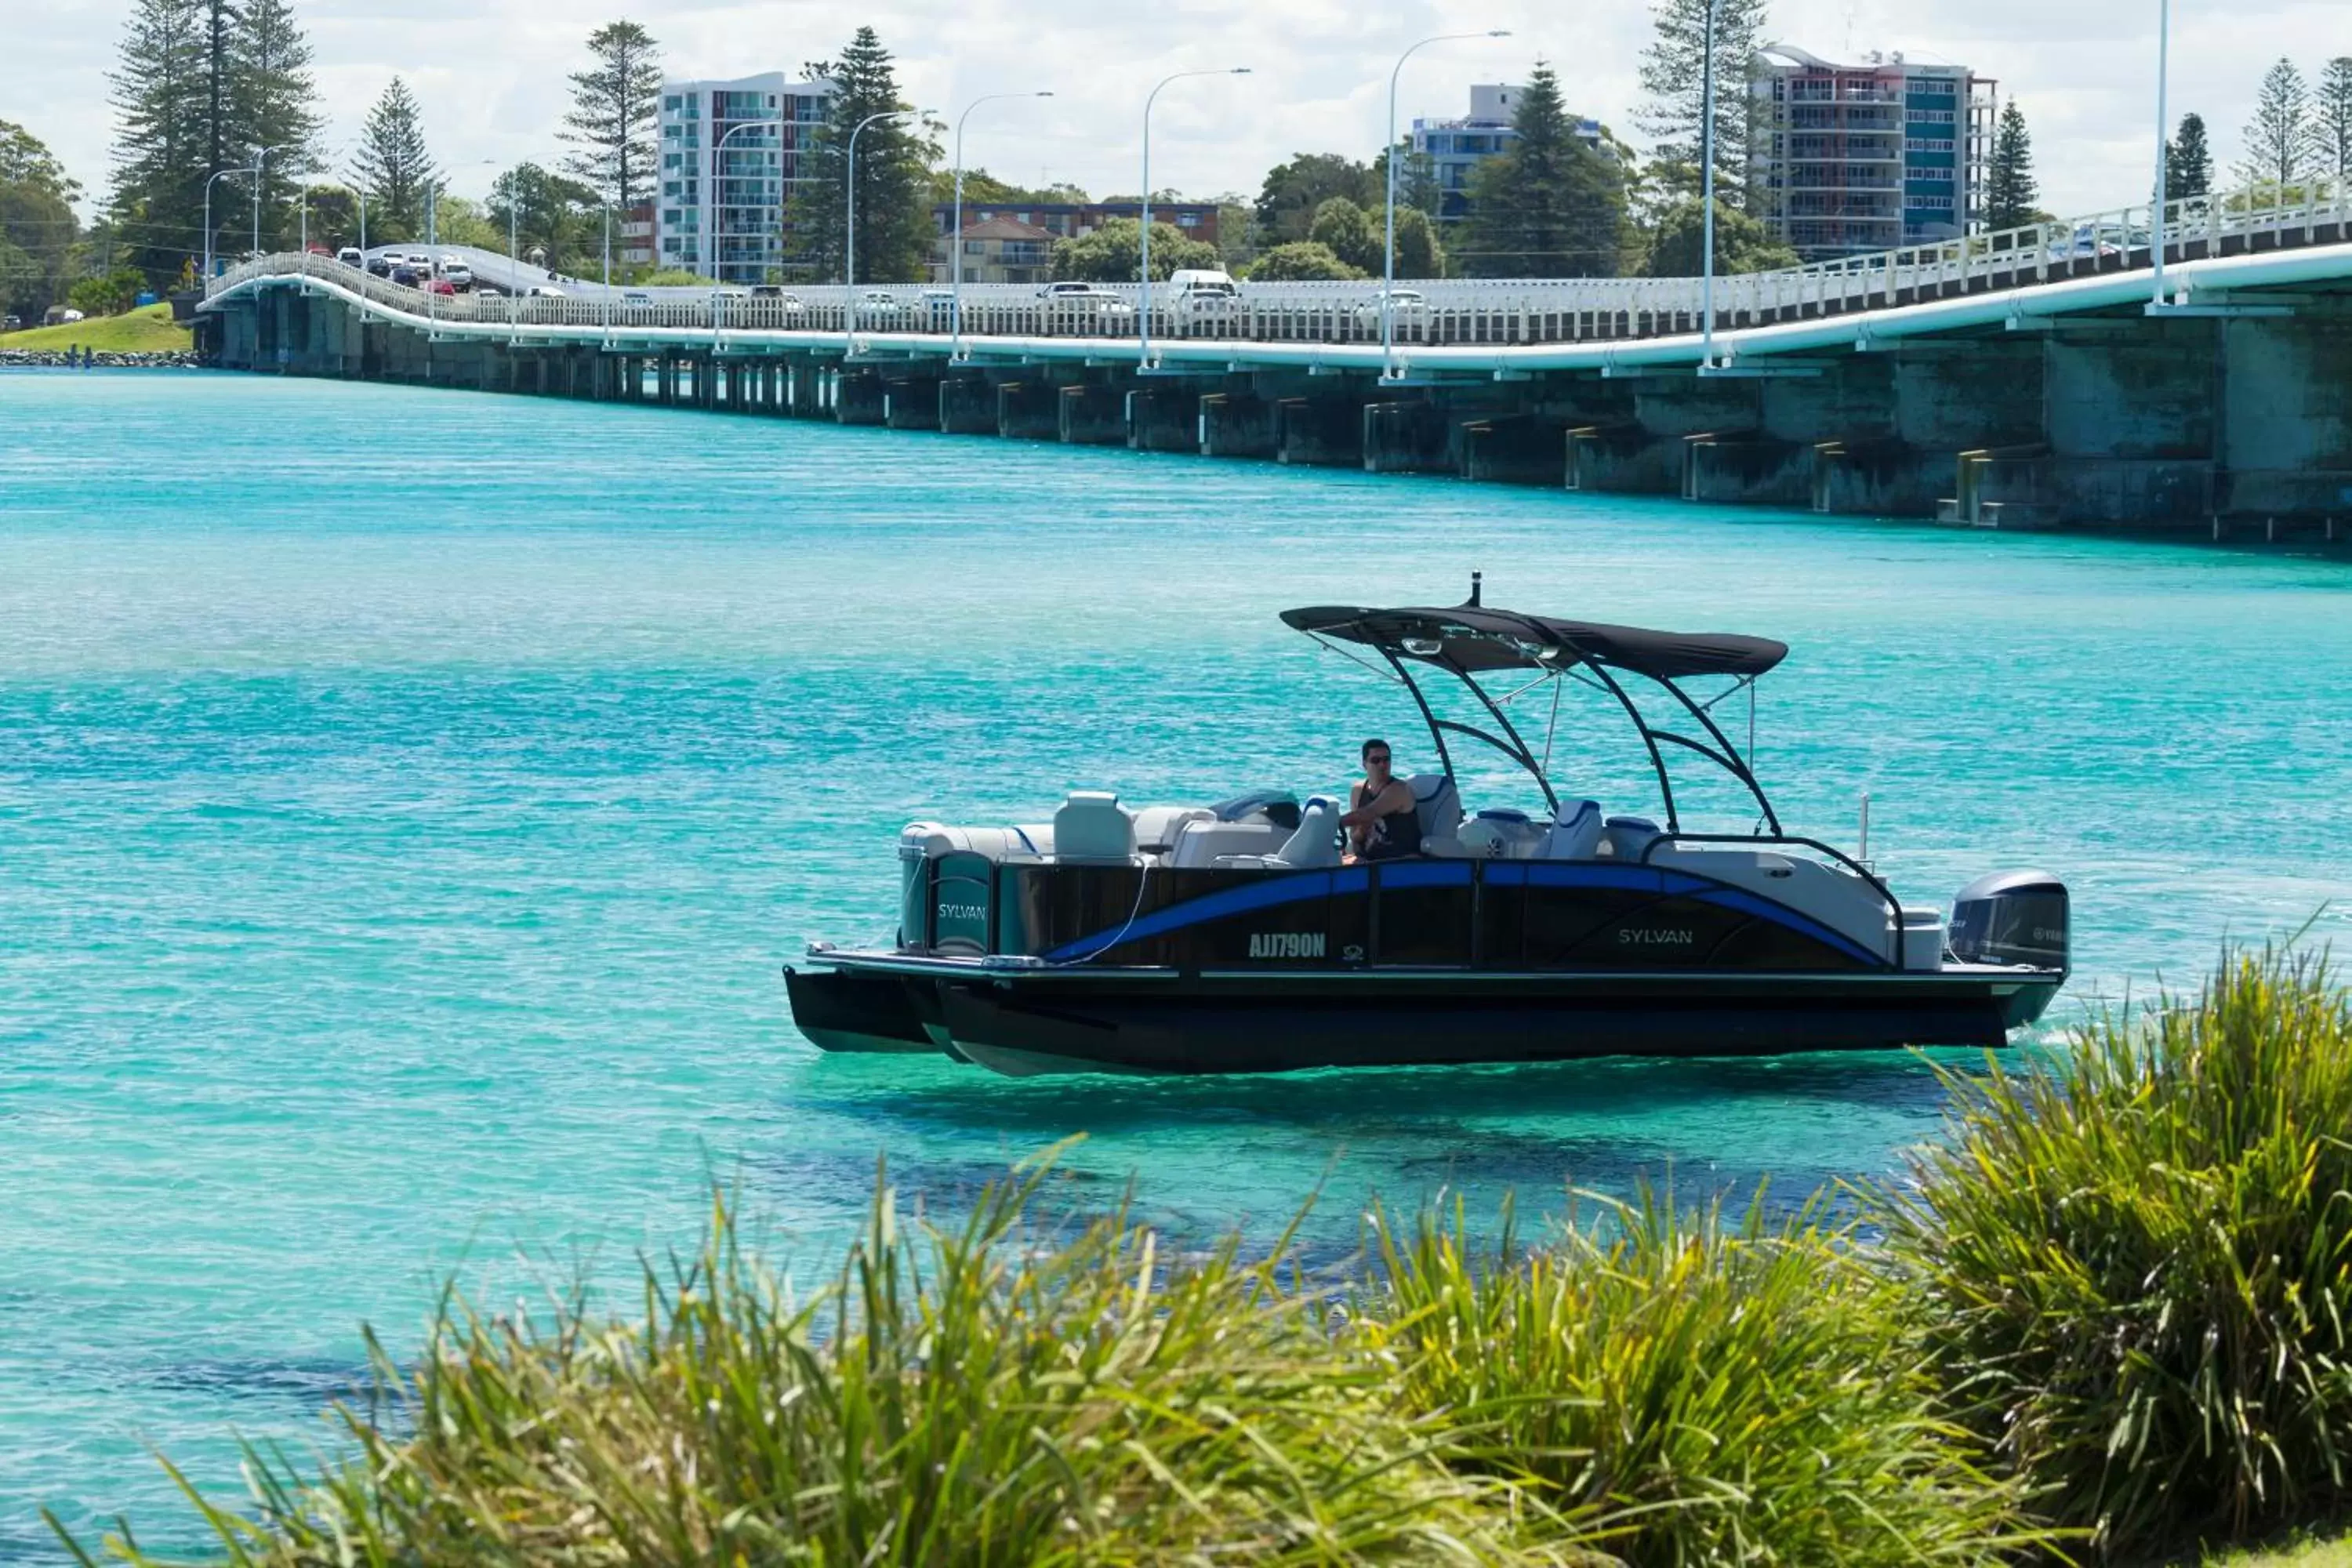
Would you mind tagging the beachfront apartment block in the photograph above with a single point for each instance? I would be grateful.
(1452, 150)
(1013, 241)
(1850, 159)
(721, 209)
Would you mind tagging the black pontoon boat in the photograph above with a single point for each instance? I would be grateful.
(1232, 938)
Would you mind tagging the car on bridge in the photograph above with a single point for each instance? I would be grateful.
(1082, 307)
(1204, 295)
(1409, 312)
(879, 308)
(770, 303)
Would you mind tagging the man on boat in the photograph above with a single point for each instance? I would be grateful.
(1382, 822)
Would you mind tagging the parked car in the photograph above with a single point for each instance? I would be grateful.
(775, 301)
(11, 323)
(636, 297)
(439, 285)
(65, 315)
(379, 266)
(1083, 299)
(1408, 309)
(1203, 294)
(879, 308)
(488, 291)
(349, 256)
(405, 276)
(543, 291)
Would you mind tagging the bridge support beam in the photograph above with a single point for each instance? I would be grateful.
(1029, 410)
(911, 403)
(1410, 435)
(1515, 449)
(1093, 416)
(860, 398)
(2286, 419)
(1321, 431)
(1163, 416)
(968, 405)
(1236, 424)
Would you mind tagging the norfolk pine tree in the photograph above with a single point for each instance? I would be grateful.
(894, 231)
(2011, 197)
(2280, 138)
(274, 103)
(2189, 161)
(1550, 206)
(2334, 118)
(157, 92)
(392, 165)
(613, 103)
(1673, 68)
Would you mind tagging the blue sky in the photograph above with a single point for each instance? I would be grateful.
(491, 73)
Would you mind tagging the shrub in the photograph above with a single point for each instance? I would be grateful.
(1302, 261)
(952, 1398)
(1692, 1392)
(2132, 1260)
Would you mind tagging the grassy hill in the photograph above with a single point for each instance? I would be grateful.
(148, 330)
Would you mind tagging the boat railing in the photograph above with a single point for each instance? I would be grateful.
(1894, 938)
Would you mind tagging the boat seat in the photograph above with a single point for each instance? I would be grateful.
(1201, 845)
(1092, 825)
(930, 840)
(1278, 806)
(1437, 802)
(1317, 840)
(1624, 838)
(1576, 831)
(1501, 835)
(1156, 827)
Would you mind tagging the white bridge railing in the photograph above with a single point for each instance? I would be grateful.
(1452, 311)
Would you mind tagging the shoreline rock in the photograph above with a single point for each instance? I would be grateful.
(99, 359)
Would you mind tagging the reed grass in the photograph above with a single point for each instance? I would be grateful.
(1690, 1389)
(2133, 1261)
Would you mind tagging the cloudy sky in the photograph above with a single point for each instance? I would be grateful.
(490, 73)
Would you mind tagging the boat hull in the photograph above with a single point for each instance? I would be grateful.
(853, 1013)
(1183, 1025)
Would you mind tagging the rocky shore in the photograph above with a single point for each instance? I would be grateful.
(81, 359)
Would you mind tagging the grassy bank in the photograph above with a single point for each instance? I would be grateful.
(147, 330)
(2105, 1319)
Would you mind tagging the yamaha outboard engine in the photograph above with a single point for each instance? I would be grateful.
(2012, 917)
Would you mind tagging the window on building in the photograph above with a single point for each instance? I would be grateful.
(669, 104)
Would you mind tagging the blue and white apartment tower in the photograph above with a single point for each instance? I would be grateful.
(1850, 159)
(720, 211)
(1454, 148)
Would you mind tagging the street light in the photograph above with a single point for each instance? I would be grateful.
(955, 229)
(2163, 147)
(711, 201)
(849, 227)
(1388, 275)
(1143, 316)
(258, 159)
(241, 169)
(1706, 194)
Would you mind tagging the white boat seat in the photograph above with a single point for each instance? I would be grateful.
(1201, 845)
(930, 840)
(1502, 836)
(1092, 825)
(1156, 827)
(1437, 802)
(1317, 840)
(1575, 832)
(1624, 838)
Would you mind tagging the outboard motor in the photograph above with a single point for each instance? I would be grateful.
(2012, 917)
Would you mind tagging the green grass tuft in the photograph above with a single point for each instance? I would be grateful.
(147, 330)
(2135, 1262)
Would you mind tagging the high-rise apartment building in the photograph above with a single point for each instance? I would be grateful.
(720, 208)
(1850, 159)
(1454, 148)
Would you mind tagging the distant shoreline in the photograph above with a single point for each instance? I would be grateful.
(101, 359)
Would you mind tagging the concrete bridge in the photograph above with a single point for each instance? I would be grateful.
(2028, 378)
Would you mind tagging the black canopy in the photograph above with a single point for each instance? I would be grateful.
(1467, 640)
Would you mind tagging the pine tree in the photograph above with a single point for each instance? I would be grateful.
(613, 111)
(2279, 138)
(2333, 118)
(2189, 161)
(158, 93)
(275, 104)
(894, 231)
(2011, 198)
(1549, 206)
(393, 164)
(1673, 75)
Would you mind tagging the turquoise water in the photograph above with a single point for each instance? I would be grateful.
(406, 800)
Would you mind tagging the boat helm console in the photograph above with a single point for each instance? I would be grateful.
(1235, 936)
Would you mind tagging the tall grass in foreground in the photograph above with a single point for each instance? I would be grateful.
(2134, 1264)
(953, 1397)
(1707, 1392)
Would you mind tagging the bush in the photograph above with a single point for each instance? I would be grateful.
(1302, 261)
(108, 296)
(957, 1397)
(2135, 1262)
(1692, 1393)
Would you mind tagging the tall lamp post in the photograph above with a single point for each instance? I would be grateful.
(955, 228)
(2163, 149)
(1706, 194)
(258, 159)
(1143, 270)
(241, 169)
(1388, 273)
(716, 148)
(850, 223)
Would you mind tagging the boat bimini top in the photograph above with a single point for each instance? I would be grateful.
(1469, 640)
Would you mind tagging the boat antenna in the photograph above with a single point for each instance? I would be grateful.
(1475, 579)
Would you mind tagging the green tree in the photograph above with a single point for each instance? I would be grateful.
(1417, 183)
(1113, 253)
(562, 219)
(2011, 197)
(1302, 261)
(613, 105)
(161, 150)
(2332, 122)
(274, 104)
(1674, 77)
(2279, 138)
(2188, 161)
(393, 164)
(1743, 243)
(334, 210)
(25, 159)
(39, 231)
(894, 230)
(1419, 252)
(110, 295)
(1235, 218)
(1551, 206)
(1287, 201)
(1349, 232)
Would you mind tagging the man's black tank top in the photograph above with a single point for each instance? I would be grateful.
(1395, 835)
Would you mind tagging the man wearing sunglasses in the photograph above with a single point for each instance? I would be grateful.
(1381, 823)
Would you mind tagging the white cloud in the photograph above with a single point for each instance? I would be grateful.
(491, 73)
